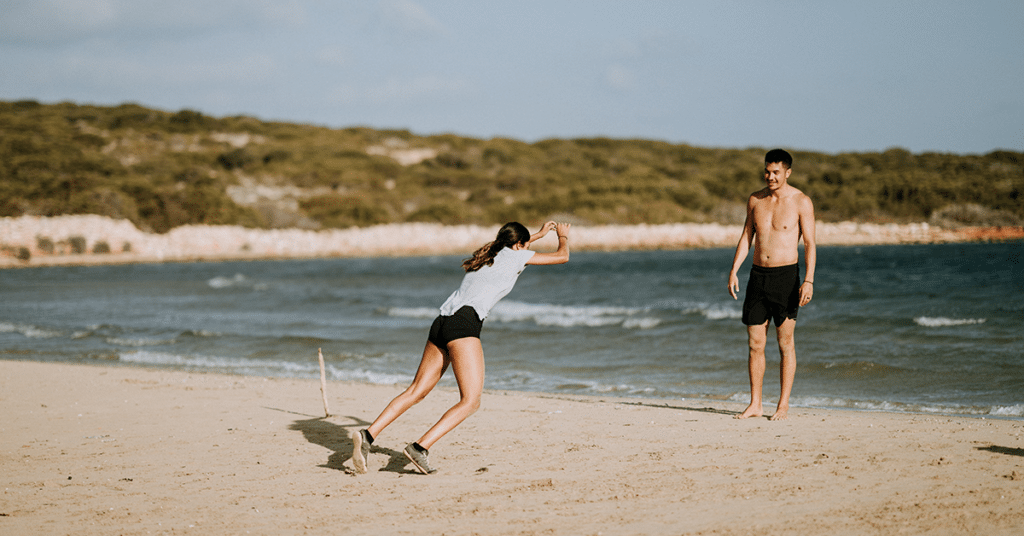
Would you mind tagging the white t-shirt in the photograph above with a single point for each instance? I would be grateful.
(483, 288)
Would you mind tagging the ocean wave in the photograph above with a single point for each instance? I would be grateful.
(238, 280)
(909, 407)
(413, 312)
(369, 376)
(714, 311)
(523, 380)
(262, 367)
(201, 333)
(1016, 410)
(123, 341)
(234, 364)
(225, 282)
(940, 322)
(32, 332)
(856, 369)
(565, 316)
(569, 316)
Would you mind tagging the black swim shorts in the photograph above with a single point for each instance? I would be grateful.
(464, 323)
(772, 293)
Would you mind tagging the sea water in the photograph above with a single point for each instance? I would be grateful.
(921, 328)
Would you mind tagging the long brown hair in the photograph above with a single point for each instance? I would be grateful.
(510, 234)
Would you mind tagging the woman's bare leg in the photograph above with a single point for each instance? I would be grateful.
(432, 367)
(467, 358)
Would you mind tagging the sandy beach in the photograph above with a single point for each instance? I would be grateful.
(117, 450)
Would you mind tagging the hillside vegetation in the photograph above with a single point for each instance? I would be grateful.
(162, 169)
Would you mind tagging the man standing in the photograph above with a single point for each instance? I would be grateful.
(777, 216)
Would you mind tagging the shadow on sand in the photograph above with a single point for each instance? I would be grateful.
(1009, 451)
(337, 438)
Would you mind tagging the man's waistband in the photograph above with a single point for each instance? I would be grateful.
(773, 270)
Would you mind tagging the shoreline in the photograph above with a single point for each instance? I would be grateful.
(95, 449)
(90, 240)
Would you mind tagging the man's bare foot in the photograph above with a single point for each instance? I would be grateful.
(781, 414)
(753, 410)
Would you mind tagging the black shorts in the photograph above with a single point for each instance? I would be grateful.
(464, 323)
(772, 293)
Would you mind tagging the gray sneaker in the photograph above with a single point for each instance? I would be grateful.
(419, 459)
(360, 450)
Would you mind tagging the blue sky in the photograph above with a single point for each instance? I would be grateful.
(932, 75)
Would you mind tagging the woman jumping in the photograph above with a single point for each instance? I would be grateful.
(454, 337)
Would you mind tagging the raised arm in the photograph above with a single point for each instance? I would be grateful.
(559, 256)
(544, 229)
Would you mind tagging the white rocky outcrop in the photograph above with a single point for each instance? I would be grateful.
(53, 240)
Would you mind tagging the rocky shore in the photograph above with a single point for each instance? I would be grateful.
(90, 239)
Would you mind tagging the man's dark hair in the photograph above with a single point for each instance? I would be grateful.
(779, 156)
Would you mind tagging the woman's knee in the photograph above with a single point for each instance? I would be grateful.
(470, 405)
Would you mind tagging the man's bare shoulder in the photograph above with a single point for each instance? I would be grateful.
(801, 198)
(795, 194)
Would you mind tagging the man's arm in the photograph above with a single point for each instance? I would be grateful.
(742, 248)
(810, 249)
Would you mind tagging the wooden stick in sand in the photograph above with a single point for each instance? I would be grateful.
(323, 382)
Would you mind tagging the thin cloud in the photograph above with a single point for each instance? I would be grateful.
(411, 18)
(49, 22)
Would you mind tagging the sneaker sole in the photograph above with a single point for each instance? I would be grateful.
(357, 452)
(416, 465)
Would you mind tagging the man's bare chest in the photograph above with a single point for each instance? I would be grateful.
(778, 216)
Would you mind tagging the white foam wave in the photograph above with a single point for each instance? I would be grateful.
(203, 333)
(413, 312)
(32, 332)
(369, 376)
(121, 341)
(225, 282)
(640, 323)
(1008, 411)
(714, 311)
(906, 407)
(940, 322)
(565, 316)
(568, 316)
(238, 364)
(238, 280)
(241, 365)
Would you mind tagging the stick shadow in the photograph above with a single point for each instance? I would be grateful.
(338, 439)
(1009, 451)
(684, 408)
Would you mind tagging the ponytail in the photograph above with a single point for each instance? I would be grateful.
(509, 235)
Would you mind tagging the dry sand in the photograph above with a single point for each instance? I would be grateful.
(117, 450)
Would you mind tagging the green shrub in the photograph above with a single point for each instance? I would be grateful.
(161, 170)
(44, 244)
(236, 159)
(77, 244)
(343, 211)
